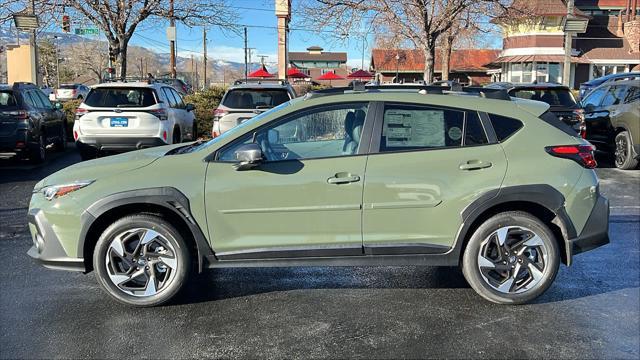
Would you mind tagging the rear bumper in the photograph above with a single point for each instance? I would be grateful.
(46, 248)
(119, 143)
(9, 143)
(595, 232)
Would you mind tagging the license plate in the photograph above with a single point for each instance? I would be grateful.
(119, 122)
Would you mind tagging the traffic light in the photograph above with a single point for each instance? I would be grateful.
(66, 23)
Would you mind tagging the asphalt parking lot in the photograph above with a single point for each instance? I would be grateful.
(591, 311)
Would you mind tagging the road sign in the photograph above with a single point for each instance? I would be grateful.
(87, 31)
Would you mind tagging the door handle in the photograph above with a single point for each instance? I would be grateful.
(475, 165)
(343, 178)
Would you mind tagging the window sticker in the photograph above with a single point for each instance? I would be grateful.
(455, 133)
(414, 128)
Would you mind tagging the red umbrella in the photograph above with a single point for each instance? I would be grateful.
(260, 73)
(360, 74)
(330, 76)
(294, 73)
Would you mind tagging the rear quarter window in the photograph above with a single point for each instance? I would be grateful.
(551, 119)
(504, 126)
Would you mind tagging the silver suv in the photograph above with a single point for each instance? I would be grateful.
(124, 116)
(244, 100)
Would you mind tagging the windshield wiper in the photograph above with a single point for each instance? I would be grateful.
(187, 148)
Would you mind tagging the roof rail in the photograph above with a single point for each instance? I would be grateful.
(497, 94)
(259, 81)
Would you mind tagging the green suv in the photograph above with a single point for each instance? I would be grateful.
(382, 176)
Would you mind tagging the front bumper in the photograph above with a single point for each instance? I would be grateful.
(595, 232)
(119, 143)
(46, 248)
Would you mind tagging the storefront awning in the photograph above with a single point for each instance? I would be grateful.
(537, 58)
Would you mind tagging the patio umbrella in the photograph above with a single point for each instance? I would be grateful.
(260, 73)
(294, 73)
(360, 74)
(330, 76)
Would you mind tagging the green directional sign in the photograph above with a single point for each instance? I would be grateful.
(87, 31)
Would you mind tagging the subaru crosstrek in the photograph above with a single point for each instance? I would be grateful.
(337, 178)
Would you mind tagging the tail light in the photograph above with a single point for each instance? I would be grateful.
(215, 131)
(80, 112)
(218, 113)
(75, 135)
(582, 154)
(159, 113)
(164, 135)
(74, 92)
(20, 114)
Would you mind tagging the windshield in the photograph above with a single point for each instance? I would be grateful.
(255, 98)
(7, 101)
(121, 97)
(240, 128)
(553, 97)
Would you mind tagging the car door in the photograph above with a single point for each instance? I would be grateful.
(39, 113)
(597, 118)
(305, 200)
(426, 164)
(53, 117)
(186, 117)
(172, 110)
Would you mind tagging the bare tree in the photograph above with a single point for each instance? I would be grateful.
(87, 57)
(119, 19)
(421, 22)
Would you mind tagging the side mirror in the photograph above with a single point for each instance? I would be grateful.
(249, 156)
(57, 106)
(189, 107)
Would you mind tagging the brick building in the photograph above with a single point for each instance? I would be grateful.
(315, 62)
(533, 42)
(467, 66)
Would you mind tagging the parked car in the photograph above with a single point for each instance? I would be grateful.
(179, 85)
(335, 178)
(563, 104)
(122, 116)
(29, 123)
(586, 87)
(68, 92)
(244, 100)
(612, 116)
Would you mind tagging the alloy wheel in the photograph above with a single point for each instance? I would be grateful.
(141, 262)
(621, 150)
(512, 259)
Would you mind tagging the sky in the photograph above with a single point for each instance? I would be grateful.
(260, 17)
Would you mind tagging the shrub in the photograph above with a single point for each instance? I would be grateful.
(205, 102)
(69, 110)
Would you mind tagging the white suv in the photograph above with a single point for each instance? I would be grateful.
(127, 116)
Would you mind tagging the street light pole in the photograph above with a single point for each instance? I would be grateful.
(566, 68)
(172, 43)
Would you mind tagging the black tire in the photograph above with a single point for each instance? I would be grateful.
(38, 153)
(484, 233)
(623, 152)
(61, 143)
(87, 152)
(194, 131)
(170, 237)
(176, 138)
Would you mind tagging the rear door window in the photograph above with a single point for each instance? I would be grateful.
(255, 98)
(615, 95)
(415, 127)
(176, 95)
(121, 97)
(35, 99)
(43, 99)
(170, 98)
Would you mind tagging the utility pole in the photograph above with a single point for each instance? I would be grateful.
(34, 44)
(57, 62)
(364, 39)
(246, 69)
(204, 55)
(250, 54)
(141, 69)
(193, 75)
(568, 36)
(172, 42)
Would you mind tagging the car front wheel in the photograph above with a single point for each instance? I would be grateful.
(141, 260)
(624, 152)
(511, 259)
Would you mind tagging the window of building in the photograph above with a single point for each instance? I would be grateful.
(516, 72)
(542, 71)
(598, 70)
(554, 73)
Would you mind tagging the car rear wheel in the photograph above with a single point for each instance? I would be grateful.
(511, 259)
(194, 131)
(141, 260)
(61, 143)
(87, 152)
(39, 151)
(624, 152)
(177, 138)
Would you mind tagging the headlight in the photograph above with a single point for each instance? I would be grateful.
(55, 191)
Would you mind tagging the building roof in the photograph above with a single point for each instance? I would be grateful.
(323, 56)
(384, 60)
(527, 8)
(607, 49)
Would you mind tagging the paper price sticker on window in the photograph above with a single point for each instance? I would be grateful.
(414, 128)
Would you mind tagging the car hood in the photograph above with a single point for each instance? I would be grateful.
(107, 166)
